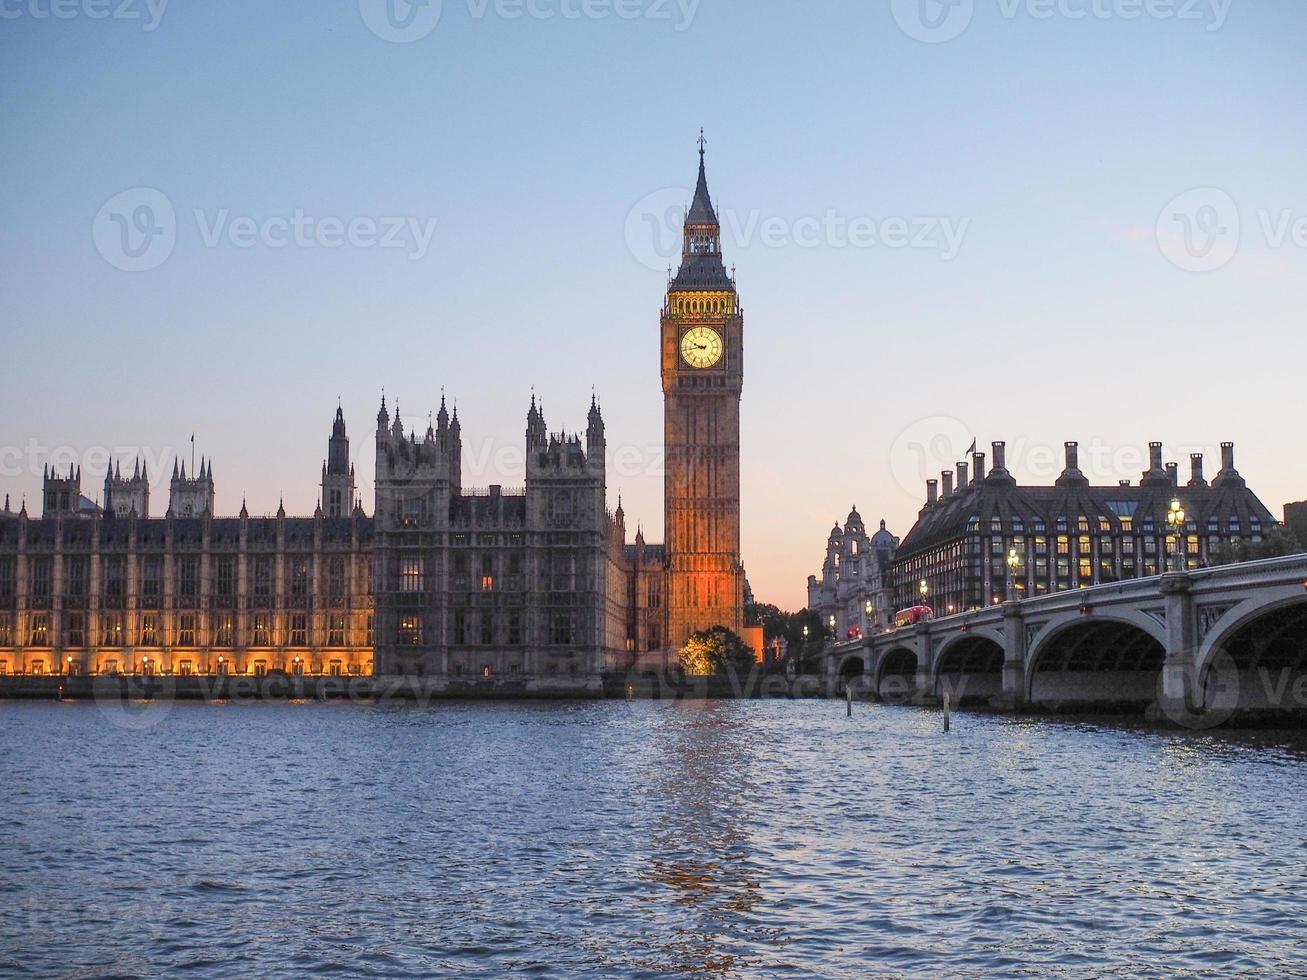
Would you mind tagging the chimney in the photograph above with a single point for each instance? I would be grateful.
(1228, 476)
(1072, 455)
(932, 491)
(1196, 470)
(1173, 473)
(1227, 457)
(1071, 475)
(1155, 475)
(948, 482)
(1000, 456)
(962, 475)
(977, 467)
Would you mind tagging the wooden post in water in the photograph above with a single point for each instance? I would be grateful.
(947, 719)
(848, 700)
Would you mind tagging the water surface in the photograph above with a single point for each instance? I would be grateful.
(724, 838)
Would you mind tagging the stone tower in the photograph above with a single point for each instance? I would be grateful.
(62, 494)
(193, 496)
(338, 472)
(703, 373)
(124, 496)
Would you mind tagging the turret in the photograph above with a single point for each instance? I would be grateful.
(337, 473)
(124, 497)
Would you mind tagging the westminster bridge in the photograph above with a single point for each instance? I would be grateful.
(1196, 646)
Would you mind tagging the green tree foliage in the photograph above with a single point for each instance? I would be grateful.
(1278, 541)
(776, 622)
(715, 651)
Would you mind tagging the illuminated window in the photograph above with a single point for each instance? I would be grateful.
(149, 630)
(186, 631)
(299, 577)
(335, 668)
(410, 630)
(260, 629)
(6, 630)
(411, 577)
(224, 631)
(487, 583)
(111, 629)
(299, 630)
(336, 630)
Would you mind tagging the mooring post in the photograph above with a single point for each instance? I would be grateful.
(630, 692)
(947, 719)
(848, 699)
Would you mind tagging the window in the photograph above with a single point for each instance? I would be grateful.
(336, 630)
(224, 631)
(188, 576)
(6, 630)
(226, 576)
(40, 630)
(515, 627)
(410, 630)
(6, 577)
(369, 639)
(336, 578)
(152, 576)
(460, 571)
(111, 629)
(299, 577)
(260, 668)
(114, 575)
(76, 575)
(299, 630)
(413, 511)
(263, 576)
(41, 577)
(186, 668)
(562, 629)
(76, 630)
(261, 629)
(335, 668)
(149, 630)
(487, 629)
(186, 630)
(459, 627)
(411, 578)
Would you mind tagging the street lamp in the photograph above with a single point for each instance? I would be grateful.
(1175, 520)
(923, 590)
(868, 609)
(1013, 563)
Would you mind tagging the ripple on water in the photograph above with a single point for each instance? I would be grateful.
(722, 839)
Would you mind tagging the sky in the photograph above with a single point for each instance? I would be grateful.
(1026, 220)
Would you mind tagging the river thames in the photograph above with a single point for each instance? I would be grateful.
(721, 838)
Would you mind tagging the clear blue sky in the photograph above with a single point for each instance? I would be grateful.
(535, 142)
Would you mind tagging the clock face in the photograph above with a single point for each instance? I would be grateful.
(701, 347)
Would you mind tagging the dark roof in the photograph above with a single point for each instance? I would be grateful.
(947, 519)
(701, 209)
(486, 510)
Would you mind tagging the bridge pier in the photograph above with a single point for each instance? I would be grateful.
(1178, 698)
(1014, 657)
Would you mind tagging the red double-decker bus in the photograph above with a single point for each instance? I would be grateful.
(912, 616)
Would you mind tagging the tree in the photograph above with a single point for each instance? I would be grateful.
(1279, 541)
(715, 651)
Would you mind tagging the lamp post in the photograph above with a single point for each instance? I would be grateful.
(1013, 563)
(866, 627)
(923, 590)
(1175, 520)
(803, 650)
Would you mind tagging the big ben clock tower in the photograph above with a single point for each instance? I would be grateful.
(703, 374)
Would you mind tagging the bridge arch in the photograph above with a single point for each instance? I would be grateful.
(1255, 654)
(1097, 661)
(896, 674)
(969, 667)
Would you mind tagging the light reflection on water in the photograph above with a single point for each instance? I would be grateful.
(613, 839)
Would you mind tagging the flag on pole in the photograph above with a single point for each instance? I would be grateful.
(971, 450)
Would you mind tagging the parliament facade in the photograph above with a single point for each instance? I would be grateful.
(535, 588)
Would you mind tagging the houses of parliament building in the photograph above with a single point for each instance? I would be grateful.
(537, 587)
